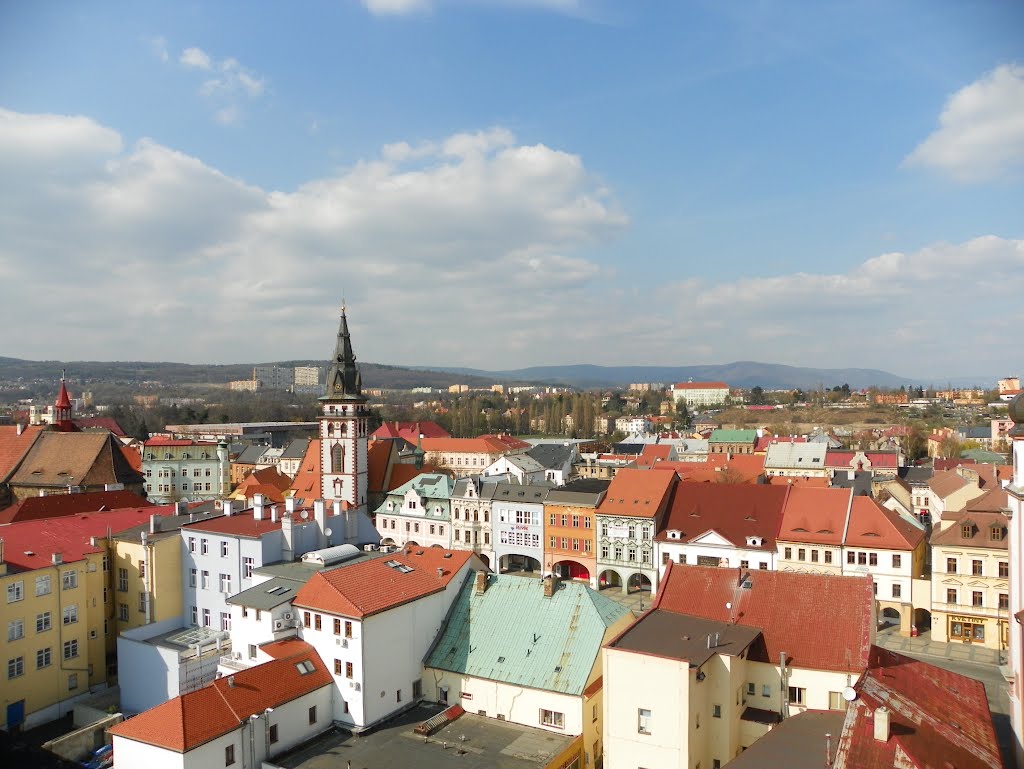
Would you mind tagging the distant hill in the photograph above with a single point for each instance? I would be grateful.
(745, 374)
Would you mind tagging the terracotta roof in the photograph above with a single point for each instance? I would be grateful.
(945, 482)
(656, 450)
(485, 444)
(982, 526)
(268, 481)
(100, 423)
(59, 505)
(640, 493)
(378, 457)
(242, 523)
(221, 707)
(307, 481)
(410, 431)
(788, 480)
(700, 386)
(31, 544)
(924, 730)
(748, 466)
(163, 440)
(734, 511)
(874, 526)
(878, 459)
(939, 463)
(767, 440)
(815, 516)
(87, 459)
(995, 500)
(372, 586)
(843, 604)
(14, 447)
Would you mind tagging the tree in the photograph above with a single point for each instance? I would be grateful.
(950, 447)
(757, 396)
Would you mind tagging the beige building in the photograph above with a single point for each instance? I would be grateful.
(469, 456)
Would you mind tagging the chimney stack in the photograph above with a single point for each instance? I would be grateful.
(21, 428)
(287, 538)
(58, 559)
(440, 572)
(320, 516)
(257, 507)
(882, 729)
(154, 524)
(289, 504)
(228, 507)
(550, 585)
(481, 582)
(231, 682)
(273, 513)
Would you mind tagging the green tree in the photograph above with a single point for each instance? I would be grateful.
(757, 396)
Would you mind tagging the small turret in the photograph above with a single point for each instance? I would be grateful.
(62, 409)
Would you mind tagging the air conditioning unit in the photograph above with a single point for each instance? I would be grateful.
(355, 685)
(287, 615)
(342, 642)
(279, 624)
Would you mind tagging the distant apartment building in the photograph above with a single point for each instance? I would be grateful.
(700, 394)
(273, 377)
(306, 376)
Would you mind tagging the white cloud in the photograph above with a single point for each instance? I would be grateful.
(195, 58)
(396, 7)
(159, 47)
(981, 129)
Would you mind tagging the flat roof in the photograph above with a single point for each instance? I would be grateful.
(488, 744)
(796, 743)
(683, 637)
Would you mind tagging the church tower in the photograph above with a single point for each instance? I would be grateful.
(344, 427)
(62, 409)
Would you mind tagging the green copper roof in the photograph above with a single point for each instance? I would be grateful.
(513, 634)
(733, 436)
(432, 487)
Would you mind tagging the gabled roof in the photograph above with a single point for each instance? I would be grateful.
(845, 605)
(14, 446)
(99, 423)
(307, 481)
(924, 730)
(266, 478)
(700, 386)
(86, 459)
(511, 633)
(426, 485)
(639, 493)
(796, 456)
(296, 449)
(221, 707)
(409, 431)
(552, 456)
(874, 526)
(878, 459)
(816, 516)
(378, 458)
(250, 456)
(982, 526)
(31, 544)
(370, 587)
(767, 440)
(734, 511)
(60, 505)
(485, 444)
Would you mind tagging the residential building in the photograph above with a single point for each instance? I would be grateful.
(634, 425)
(716, 524)
(418, 512)
(305, 377)
(521, 468)
(700, 394)
(15, 442)
(410, 432)
(796, 460)
(177, 468)
(291, 457)
(732, 441)
(472, 524)
(517, 512)
(876, 462)
(273, 377)
(951, 490)
(971, 573)
(1015, 551)
(728, 664)
(557, 459)
(570, 529)
(628, 518)
(246, 462)
(810, 538)
(469, 456)
(602, 466)
(527, 653)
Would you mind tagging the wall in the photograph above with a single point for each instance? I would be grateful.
(77, 745)
(132, 753)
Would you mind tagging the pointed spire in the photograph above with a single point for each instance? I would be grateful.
(62, 408)
(344, 381)
(63, 399)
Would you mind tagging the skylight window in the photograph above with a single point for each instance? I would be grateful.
(305, 667)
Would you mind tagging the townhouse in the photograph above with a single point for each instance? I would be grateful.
(796, 460)
(418, 512)
(472, 524)
(813, 526)
(469, 456)
(521, 468)
(185, 469)
(570, 527)
(628, 518)
(732, 441)
(517, 511)
(729, 664)
(877, 462)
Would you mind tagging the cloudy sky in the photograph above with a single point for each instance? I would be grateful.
(504, 183)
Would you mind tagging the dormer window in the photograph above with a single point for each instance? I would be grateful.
(966, 530)
(995, 533)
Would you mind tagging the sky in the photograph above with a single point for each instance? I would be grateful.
(507, 183)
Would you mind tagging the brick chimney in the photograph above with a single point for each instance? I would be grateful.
(481, 582)
(882, 729)
(550, 585)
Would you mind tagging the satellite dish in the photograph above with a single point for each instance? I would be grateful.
(327, 532)
(304, 514)
(849, 694)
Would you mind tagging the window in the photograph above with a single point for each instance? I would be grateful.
(225, 621)
(766, 690)
(16, 667)
(307, 619)
(15, 591)
(643, 721)
(312, 715)
(70, 615)
(873, 559)
(247, 565)
(70, 649)
(348, 629)
(317, 621)
(977, 568)
(337, 667)
(43, 622)
(951, 565)
(337, 626)
(552, 718)
(192, 577)
(206, 580)
(951, 595)
(1004, 600)
(896, 591)
(862, 559)
(349, 670)
(15, 629)
(252, 651)
(828, 556)
(716, 711)
(896, 561)
(43, 658)
(977, 598)
(801, 554)
(1004, 569)
(195, 615)
(206, 618)
(229, 755)
(122, 580)
(814, 556)
(72, 681)
(851, 557)
(787, 553)
(995, 533)
(836, 701)
(966, 530)
(43, 585)
(224, 549)
(797, 695)
(398, 695)
(191, 544)
(122, 612)
(225, 583)
(273, 733)
(204, 546)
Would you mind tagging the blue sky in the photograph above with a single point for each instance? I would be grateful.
(501, 183)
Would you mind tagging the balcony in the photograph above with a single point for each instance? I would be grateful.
(231, 662)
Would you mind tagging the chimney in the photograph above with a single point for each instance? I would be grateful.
(273, 513)
(289, 504)
(882, 724)
(231, 682)
(257, 507)
(550, 585)
(320, 516)
(481, 583)
(58, 559)
(287, 538)
(181, 507)
(21, 428)
(440, 573)
(229, 507)
(154, 524)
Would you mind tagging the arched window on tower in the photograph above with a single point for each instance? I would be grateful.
(330, 429)
(337, 458)
(341, 429)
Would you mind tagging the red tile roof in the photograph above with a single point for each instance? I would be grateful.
(370, 587)
(14, 447)
(656, 451)
(816, 516)
(878, 459)
(767, 440)
(845, 605)
(268, 481)
(640, 493)
(195, 718)
(31, 544)
(734, 511)
(378, 457)
(874, 526)
(100, 423)
(485, 444)
(307, 482)
(242, 523)
(410, 431)
(788, 480)
(163, 440)
(925, 731)
(59, 505)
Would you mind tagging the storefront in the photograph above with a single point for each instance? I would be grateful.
(966, 629)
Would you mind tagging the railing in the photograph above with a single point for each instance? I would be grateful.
(229, 661)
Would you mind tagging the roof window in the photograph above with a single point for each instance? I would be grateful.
(305, 667)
